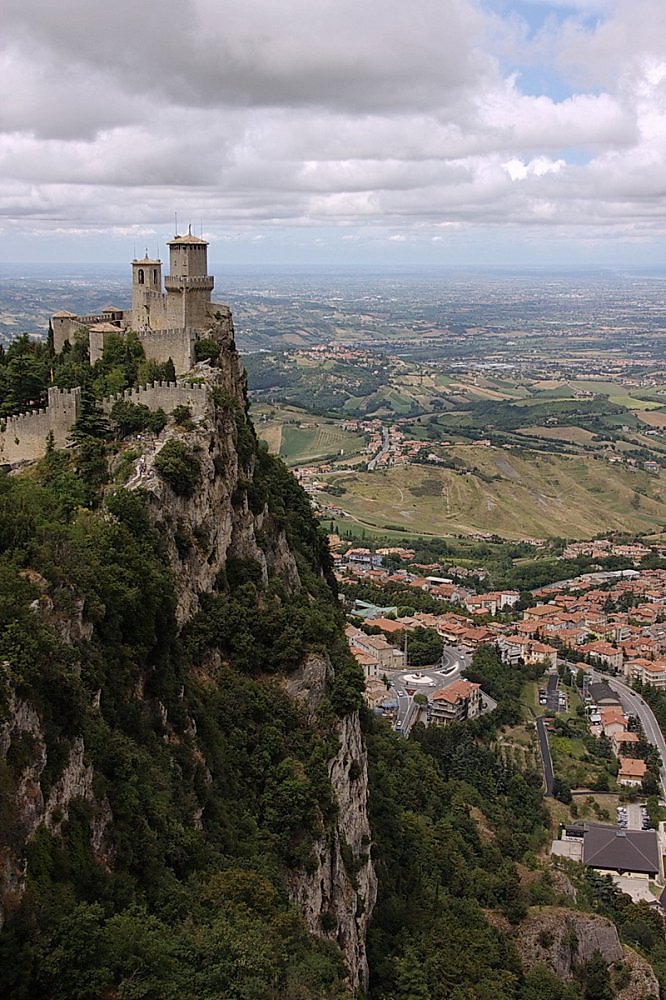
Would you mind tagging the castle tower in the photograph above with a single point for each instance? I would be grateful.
(147, 297)
(188, 286)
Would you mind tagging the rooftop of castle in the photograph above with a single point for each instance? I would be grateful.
(146, 260)
(177, 240)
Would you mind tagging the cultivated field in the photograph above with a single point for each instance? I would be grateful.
(300, 438)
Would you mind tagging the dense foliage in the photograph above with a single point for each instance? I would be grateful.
(215, 783)
(430, 938)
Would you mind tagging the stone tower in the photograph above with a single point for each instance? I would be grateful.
(147, 298)
(188, 285)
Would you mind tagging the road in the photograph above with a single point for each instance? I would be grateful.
(382, 451)
(634, 704)
(440, 675)
(545, 754)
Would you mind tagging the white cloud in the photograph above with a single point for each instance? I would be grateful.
(260, 114)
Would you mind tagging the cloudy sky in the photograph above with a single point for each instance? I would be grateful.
(355, 131)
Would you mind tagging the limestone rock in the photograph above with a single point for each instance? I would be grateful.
(337, 898)
(635, 979)
(564, 939)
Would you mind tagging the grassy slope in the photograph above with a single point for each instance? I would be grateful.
(540, 495)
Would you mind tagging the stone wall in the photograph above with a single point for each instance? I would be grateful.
(24, 437)
(166, 395)
(177, 344)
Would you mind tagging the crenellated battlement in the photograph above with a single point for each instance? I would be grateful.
(168, 323)
(166, 395)
(24, 436)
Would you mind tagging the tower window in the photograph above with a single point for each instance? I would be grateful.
(154, 275)
(141, 276)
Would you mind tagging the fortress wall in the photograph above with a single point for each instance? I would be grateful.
(64, 328)
(177, 344)
(148, 309)
(96, 341)
(166, 395)
(25, 435)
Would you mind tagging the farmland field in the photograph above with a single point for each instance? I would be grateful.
(299, 440)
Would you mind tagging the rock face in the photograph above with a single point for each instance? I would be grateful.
(204, 530)
(565, 940)
(637, 980)
(337, 898)
(22, 733)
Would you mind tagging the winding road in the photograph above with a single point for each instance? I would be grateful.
(634, 704)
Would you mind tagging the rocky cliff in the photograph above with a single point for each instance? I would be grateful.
(565, 941)
(338, 894)
(225, 519)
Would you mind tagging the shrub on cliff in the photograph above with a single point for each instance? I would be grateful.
(130, 418)
(206, 349)
(178, 466)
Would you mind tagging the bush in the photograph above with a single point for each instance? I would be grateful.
(183, 416)
(206, 349)
(130, 418)
(178, 466)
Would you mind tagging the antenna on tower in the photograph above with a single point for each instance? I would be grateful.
(176, 219)
(134, 251)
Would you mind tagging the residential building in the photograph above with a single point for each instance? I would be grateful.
(455, 703)
(601, 651)
(632, 771)
(613, 721)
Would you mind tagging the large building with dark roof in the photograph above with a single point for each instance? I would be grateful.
(627, 852)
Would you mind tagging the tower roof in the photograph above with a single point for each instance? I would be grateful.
(189, 238)
(147, 260)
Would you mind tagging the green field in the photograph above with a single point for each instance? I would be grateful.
(302, 445)
(540, 495)
(547, 474)
(285, 434)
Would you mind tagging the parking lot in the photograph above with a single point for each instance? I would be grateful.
(632, 816)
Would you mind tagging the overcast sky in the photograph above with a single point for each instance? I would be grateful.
(354, 131)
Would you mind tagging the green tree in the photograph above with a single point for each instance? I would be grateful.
(410, 980)
(424, 646)
(597, 978)
(178, 466)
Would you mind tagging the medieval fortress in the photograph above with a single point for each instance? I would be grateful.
(168, 322)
